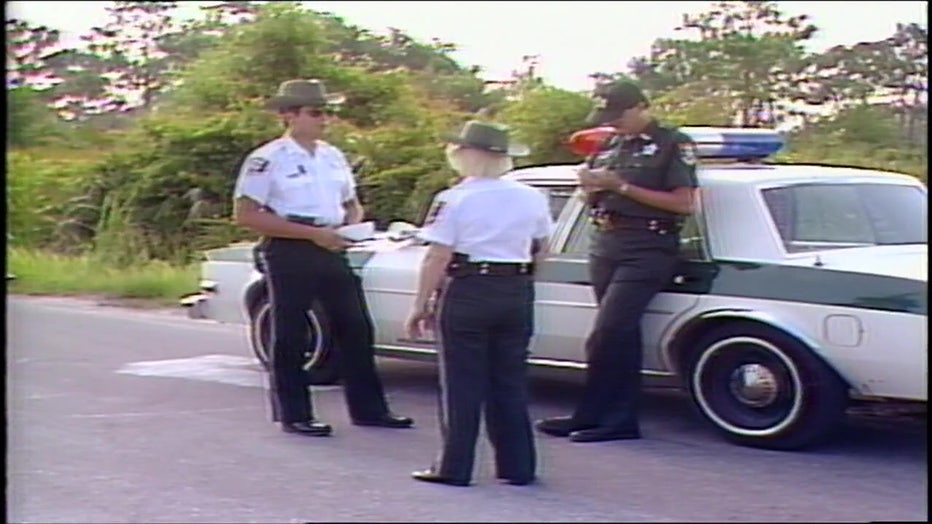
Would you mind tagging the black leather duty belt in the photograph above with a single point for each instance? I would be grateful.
(306, 220)
(608, 221)
(461, 266)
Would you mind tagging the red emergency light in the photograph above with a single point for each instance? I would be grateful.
(587, 141)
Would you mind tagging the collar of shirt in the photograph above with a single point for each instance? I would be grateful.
(648, 134)
(477, 180)
(292, 146)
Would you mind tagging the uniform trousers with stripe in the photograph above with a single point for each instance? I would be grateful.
(486, 323)
(299, 273)
(624, 285)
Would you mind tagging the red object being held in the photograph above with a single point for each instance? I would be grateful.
(587, 141)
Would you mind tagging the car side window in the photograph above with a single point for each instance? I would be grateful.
(830, 215)
(557, 197)
(819, 216)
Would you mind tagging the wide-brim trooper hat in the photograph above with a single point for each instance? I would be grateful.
(612, 100)
(303, 93)
(487, 136)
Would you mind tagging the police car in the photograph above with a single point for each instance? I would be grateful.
(802, 288)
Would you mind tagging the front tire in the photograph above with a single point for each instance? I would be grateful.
(320, 363)
(762, 388)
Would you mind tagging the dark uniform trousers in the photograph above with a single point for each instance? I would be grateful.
(300, 272)
(486, 323)
(624, 284)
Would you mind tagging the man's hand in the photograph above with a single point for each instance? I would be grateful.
(591, 180)
(328, 238)
(421, 320)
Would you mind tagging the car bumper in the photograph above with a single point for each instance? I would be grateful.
(196, 303)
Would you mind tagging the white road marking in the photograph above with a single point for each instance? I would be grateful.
(225, 369)
(131, 414)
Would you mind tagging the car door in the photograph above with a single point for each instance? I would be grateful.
(565, 305)
(229, 270)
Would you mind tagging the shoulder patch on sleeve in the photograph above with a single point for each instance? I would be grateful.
(257, 166)
(687, 152)
(434, 212)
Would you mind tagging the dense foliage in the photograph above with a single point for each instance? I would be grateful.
(133, 178)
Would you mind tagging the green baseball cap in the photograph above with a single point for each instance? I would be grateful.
(612, 100)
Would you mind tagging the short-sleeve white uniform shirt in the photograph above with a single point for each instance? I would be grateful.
(490, 220)
(289, 180)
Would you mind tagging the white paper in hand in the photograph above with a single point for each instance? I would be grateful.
(357, 232)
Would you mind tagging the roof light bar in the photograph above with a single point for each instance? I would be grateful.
(738, 143)
(711, 142)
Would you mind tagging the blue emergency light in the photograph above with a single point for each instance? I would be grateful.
(734, 143)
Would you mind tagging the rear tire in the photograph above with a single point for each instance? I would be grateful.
(320, 362)
(762, 388)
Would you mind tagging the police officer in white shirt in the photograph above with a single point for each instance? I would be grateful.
(295, 190)
(484, 234)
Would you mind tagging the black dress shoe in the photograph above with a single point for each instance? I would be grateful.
(517, 482)
(388, 420)
(558, 426)
(310, 428)
(604, 434)
(429, 475)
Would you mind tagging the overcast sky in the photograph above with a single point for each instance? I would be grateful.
(573, 39)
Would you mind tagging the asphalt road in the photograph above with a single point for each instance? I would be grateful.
(126, 416)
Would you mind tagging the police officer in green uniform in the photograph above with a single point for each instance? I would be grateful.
(639, 185)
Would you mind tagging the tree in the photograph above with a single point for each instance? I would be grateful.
(910, 79)
(129, 43)
(747, 50)
(27, 49)
(194, 36)
(893, 71)
(691, 104)
(28, 122)
(82, 87)
(429, 65)
(544, 118)
(862, 135)
(251, 60)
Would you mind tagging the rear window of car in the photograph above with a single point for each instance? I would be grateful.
(832, 216)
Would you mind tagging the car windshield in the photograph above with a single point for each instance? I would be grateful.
(832, 216)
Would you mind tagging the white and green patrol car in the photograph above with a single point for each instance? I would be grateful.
(801, 288)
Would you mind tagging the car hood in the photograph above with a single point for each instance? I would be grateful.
(243, 251)
(907, 261)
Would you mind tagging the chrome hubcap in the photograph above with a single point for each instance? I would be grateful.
(754, 385)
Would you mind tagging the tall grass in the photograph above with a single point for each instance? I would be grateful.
(43, 273)
(118, 242)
